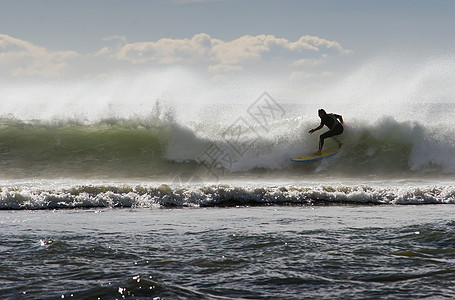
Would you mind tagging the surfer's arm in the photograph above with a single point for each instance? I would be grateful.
(315, 129)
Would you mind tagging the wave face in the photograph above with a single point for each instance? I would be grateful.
(46, 150)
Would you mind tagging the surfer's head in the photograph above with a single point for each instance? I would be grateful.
(321, 112)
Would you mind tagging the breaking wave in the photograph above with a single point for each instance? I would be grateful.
(156, 147)
(162, 196)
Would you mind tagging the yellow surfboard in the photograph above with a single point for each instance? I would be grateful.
(311, 156)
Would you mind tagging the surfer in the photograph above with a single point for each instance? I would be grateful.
(335, 126)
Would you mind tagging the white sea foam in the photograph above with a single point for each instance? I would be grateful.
(28, 196)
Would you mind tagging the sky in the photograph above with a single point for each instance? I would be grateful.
(297, 40)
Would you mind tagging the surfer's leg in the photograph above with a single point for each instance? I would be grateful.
(322, 137)
(321, 142)
(335, 132)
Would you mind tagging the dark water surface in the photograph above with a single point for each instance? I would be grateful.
(284, 252)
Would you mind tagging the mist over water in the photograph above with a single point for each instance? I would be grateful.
(372, 87)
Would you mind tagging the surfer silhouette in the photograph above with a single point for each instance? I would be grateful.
(334, 122)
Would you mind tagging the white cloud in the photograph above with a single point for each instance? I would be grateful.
(222, 55)
(244, 49)
(167, 51)
(310, 61)
(315, 43)
(259, 52)
(18, 58)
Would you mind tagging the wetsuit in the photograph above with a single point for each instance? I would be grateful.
(336, 128)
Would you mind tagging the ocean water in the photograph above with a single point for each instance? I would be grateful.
(265, 252)
(166, 185)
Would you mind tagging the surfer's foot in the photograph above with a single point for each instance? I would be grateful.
(340, 144)
(317, 153)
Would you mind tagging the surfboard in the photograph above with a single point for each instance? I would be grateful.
(311, 157)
